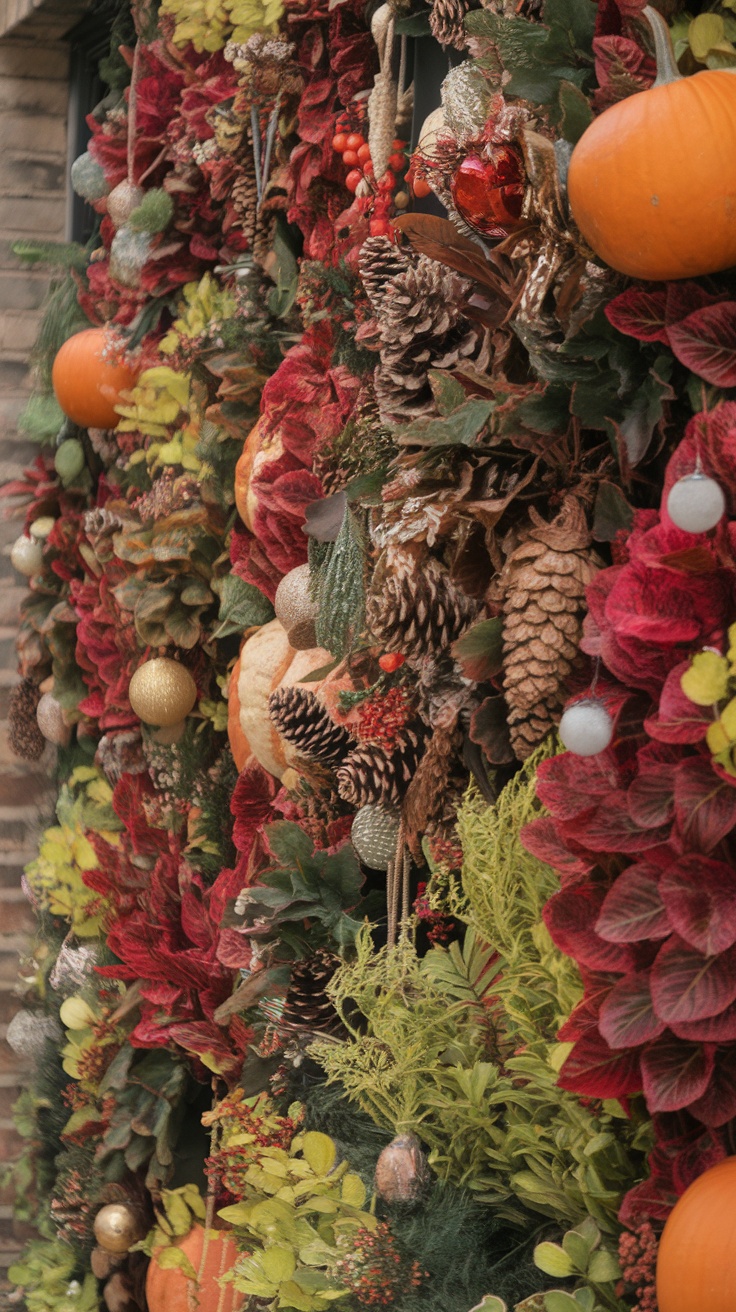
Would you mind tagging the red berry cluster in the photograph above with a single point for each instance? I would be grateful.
(438, 927)
(417, 181)
(638, 1256)
(383, 716)
(375, 1270)
(356, 155)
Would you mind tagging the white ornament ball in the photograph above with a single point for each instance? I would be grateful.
(26, 555)
(374, 836)
(696, 503)
(28, 1031)
(586, 728)
(123, 200)
(296, 610)
(162, 692)
(88, 178)
(51, 721)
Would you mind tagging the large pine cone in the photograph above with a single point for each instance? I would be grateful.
(543, 585)
(414, 607)
(24, 736)
(447, 22)
(307, 1003)
(301, 719)
(379, 776)
(380, 261)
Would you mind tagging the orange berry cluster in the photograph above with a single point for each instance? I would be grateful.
(356, 155)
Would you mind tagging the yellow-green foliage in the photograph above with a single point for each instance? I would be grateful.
(209, 24)
(460, 1046)
(65, 852)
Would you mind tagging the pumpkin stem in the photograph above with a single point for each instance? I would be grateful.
(664, 52)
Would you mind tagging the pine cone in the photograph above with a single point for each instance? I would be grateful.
(307, 1004)
(414, 608)
(24, 736)
(303, 721)
(543, 585)
(380, 776)
(380, 261)
(447, 22)
(422, 327)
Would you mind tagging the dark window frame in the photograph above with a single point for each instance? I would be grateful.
(89, 43)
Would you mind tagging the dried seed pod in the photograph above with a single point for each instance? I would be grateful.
(401, 1170)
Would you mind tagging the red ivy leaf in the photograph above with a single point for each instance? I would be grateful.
(570, 917)
(700, 897)
(596, 1071)
(540, 837)
(705, 805)
(674, 1073)
(633, 909)
(686, 986)
(718, 1103)
(627, 1016)
(706, 343)
(640, 312)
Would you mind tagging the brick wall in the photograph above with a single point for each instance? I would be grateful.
(34, 92)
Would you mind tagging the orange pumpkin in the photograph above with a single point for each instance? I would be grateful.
(652, 181)
(259, 449)
(86, 383)
(169, 1290)
(239, 745)
(696, 1264)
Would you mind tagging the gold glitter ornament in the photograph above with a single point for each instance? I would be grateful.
(122, 200)
(296, 610)
(51, 721)
(162, 692)
(116, 1228)
(26, 555)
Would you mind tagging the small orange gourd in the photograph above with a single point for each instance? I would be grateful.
(652, 181)
(87, 381)
(259, 449)
(696, 1264)
(168, 1289)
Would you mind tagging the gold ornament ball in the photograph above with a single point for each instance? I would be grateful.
(116, 1227)
(296, 610)
(162, 692)
(122, 200)
(51, 721)
(26, 555)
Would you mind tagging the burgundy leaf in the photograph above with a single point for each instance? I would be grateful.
(684, 298)
(700, 897)
(627, 1016)
(678, 720)
(705, 342)
(568, 784)
(705, 805)
(713, 1029)
(651, 796)
(540, 837)
(674, 1073)
(570, 917)
(640, 312)
(686, 986)
(596, 1071)
(610, 828)
(633, 909)
(718, 1104)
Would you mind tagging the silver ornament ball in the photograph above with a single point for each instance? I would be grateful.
(129, 254)
(51, 721)
(295, 609)
(26, 555)
(88, 178)
(122, 201)
(28, 1031)
(374, 836)
(696, 503)
(586, 728)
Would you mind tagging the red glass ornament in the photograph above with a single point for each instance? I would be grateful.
(488, 191)
(391, 661)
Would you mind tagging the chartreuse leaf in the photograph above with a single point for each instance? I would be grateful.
(603, 1267)
(319, 1151)
(553, 1260)
(173, 1258)
(577, 1250)
(490, 1304)
(278, 1264)
(558, 1301)
(706, 681)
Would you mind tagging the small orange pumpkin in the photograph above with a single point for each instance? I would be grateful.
(652, 181)
(239, 745)
(87, 384)
(259, 450)
(696, 1263)
(168, 1289)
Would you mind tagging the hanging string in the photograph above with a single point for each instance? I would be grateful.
(132, 108)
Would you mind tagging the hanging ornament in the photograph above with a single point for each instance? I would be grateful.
(401, 1170)
(51, 721)
(41, 527)
(374, 835)
(696, 503)
(116, 1227)
(73, 967)
(296, 610)
(29, 1031)
(162, 692)
(69, 460)
(88, 178)
(488, 190)
(123, 200)
(586, 728)
(88, 380)
(129, 253)
(26, 555)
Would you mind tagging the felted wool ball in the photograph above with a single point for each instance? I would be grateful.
(162, 692)
(129, 253)
(116, 1227)
(69, 460)
(586, 728)
(88, 178)
(696, 503)
(122, 200)
(51, 721)
(374, 836)
(296, 610)
(28, 1031)
(26, 555)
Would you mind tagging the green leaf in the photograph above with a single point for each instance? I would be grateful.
(553, 1260)
(289, 843)
(414, 24)
(278, 1264)
(558, 1301)
(341, 594)
(612, 512)
(448, 393)
(460, 428)
(319, 1151)
(242, 606)
(479, 651)
(490, 1304)
(170, 1259)
(603, 1267)
(576, 113)
(577, 1249)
